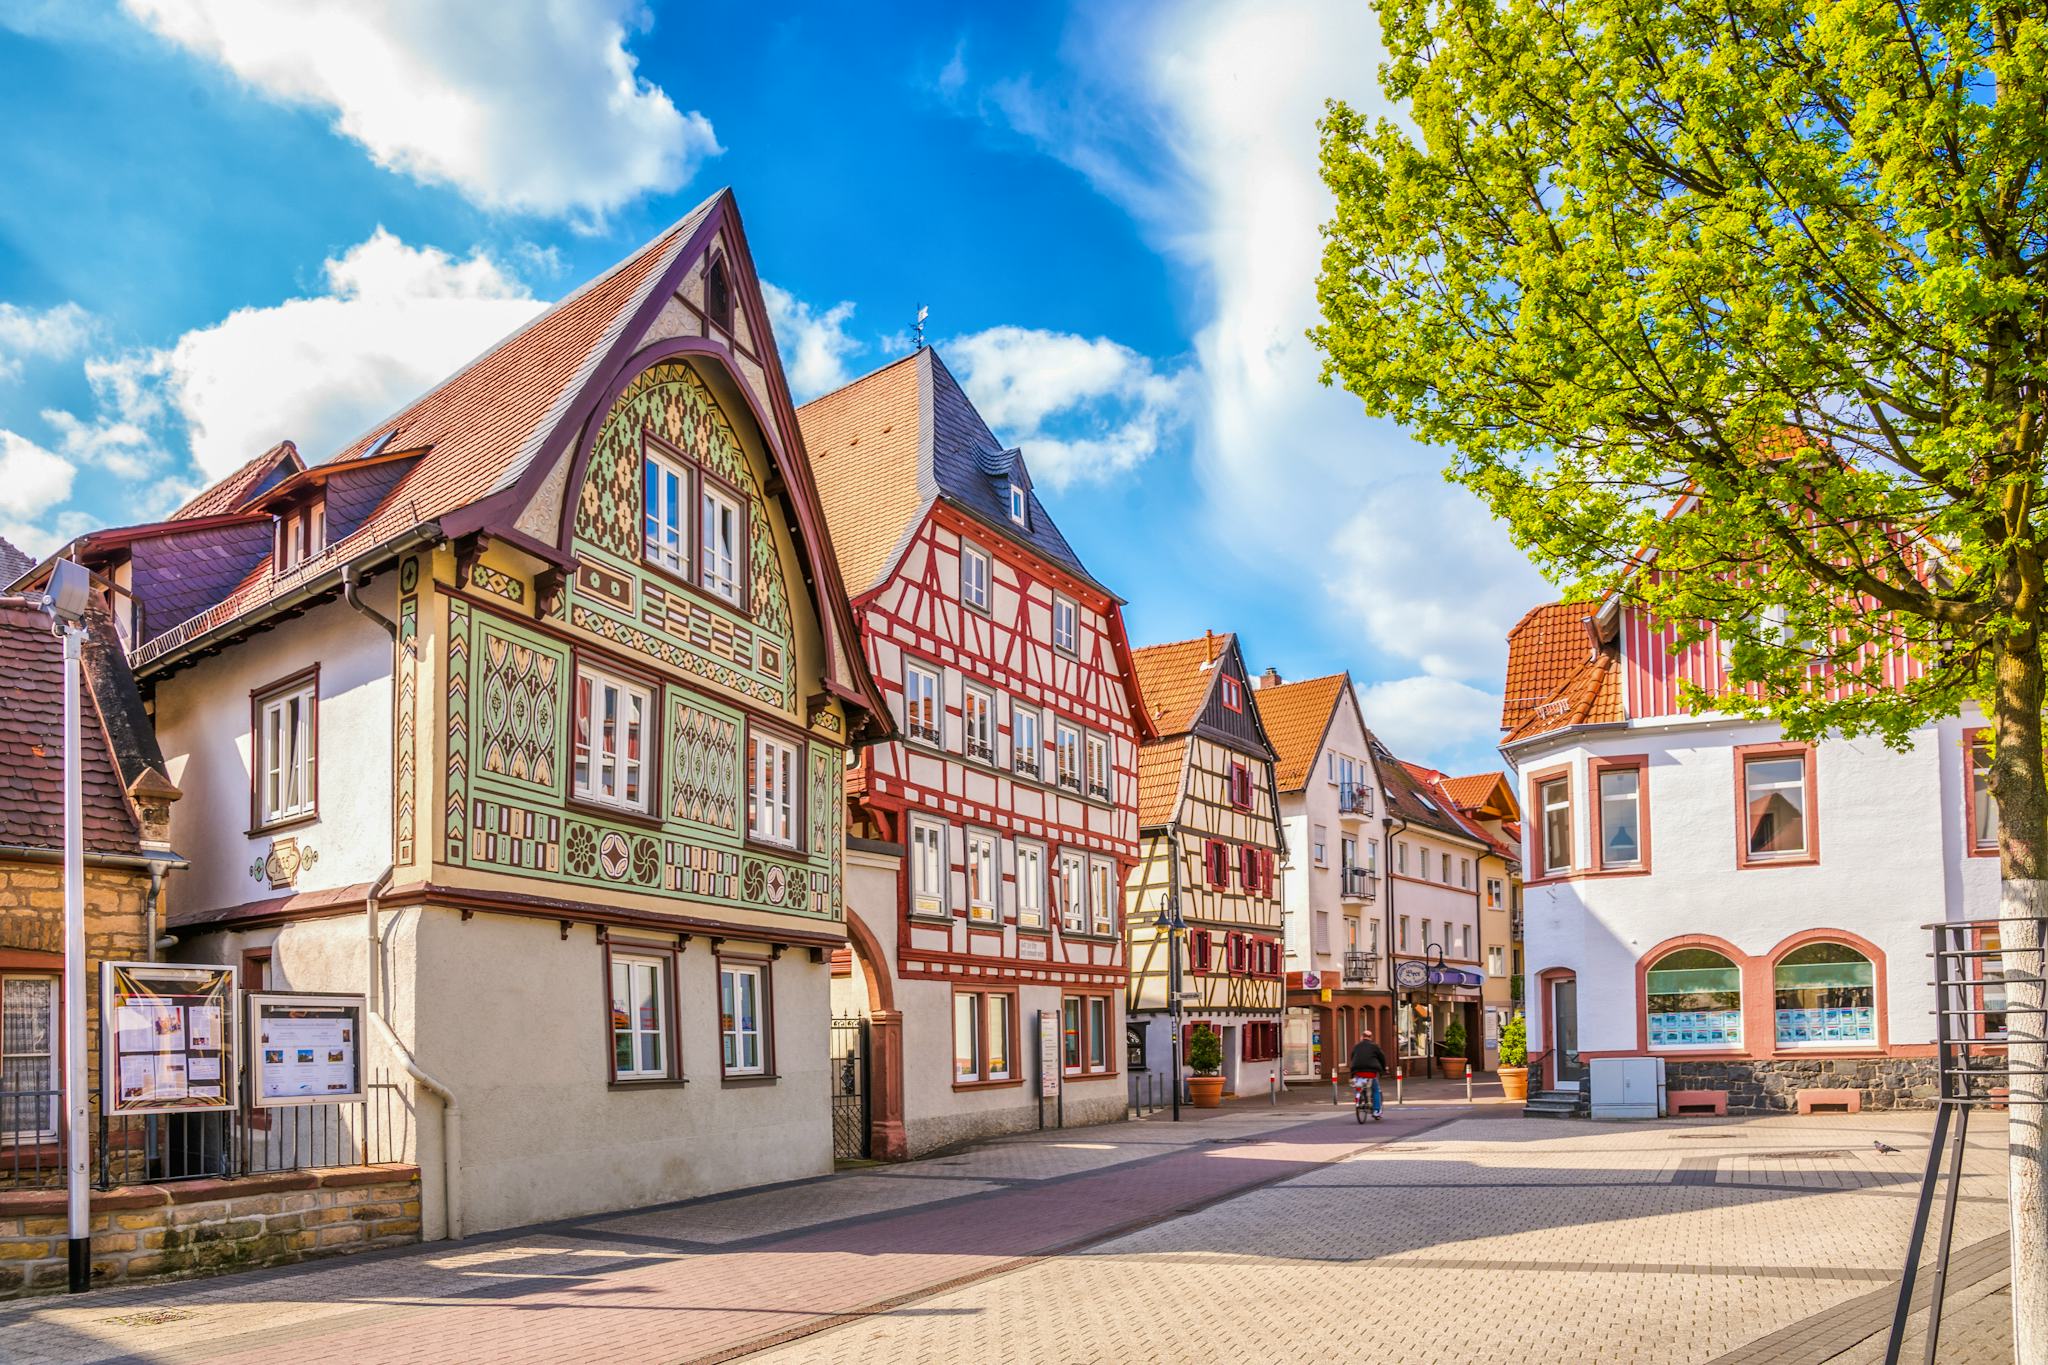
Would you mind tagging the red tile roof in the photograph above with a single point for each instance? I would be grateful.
(228, 494)
(1174, 679)
(1465, 798)
(32, 748)
(864, 441)
(1159, 772)
(1556, 678)
(1297, 716)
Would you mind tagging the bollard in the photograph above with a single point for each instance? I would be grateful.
(1468, 1083)
(1399, 1074)
(1334, 1099)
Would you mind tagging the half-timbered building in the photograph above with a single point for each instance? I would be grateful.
(990, 841)
(1208, 816)
(525, 716)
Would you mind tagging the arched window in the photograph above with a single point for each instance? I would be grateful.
(1695, 1000)
(718, 293)
(1826, 996)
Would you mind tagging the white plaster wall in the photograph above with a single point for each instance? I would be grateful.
(1891, 860)
(544, 1136)
(202, 724)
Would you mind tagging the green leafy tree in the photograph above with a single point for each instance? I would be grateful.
(1452, 1044)
(1514, 1041)
(1754, 294)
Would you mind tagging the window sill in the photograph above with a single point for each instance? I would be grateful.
(648, 1083)
(292, 822)
(760, 845)
(623, 814)
(988, 1085)
(746, 1082)
(1752, 864)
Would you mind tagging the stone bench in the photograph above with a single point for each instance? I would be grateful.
(1681, 1103)
(1832, 1101)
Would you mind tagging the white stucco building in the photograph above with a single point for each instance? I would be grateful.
(1700, 889)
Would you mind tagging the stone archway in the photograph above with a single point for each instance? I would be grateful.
(886, 1139)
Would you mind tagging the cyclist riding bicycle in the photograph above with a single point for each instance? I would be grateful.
(1367, 1062)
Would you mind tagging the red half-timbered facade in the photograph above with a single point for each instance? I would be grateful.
(1008, 799)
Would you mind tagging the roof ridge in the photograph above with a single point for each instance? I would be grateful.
(862, 379)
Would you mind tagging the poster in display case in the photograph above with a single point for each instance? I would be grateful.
(166, 1038)
(304, 1049)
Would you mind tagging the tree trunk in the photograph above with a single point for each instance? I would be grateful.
(2017, 784)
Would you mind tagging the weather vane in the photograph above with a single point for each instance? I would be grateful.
(922, 313)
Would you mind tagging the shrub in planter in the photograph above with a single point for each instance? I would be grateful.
(1205, 1059)
(1450, 1050)
(1514, 1058)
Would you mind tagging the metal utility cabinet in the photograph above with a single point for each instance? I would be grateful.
(1628, 1087)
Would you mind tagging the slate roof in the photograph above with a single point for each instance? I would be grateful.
(885, 446)
(267, 470)
(480, 429)
(1556, 679)
(1297, 716)
(32, 748)
(1173, 680)
(1411, 799)
(14, 562)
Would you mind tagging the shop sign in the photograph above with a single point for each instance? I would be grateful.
(1311, 979)
(1411, 974)
(166, 1038)
(1048, 1053)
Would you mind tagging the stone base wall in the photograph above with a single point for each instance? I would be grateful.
(1774, 1086)
(201, 1227)
(930, 1133)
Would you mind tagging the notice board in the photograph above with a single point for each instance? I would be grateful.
(304, 1049)
(166, 1038)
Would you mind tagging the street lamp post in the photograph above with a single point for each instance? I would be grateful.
(65, 601)
(1170, 920)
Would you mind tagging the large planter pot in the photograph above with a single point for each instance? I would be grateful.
(1205, 1092)
(1453, 1067)
(1514, 1082)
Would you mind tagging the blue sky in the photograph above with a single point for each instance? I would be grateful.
(225, 225)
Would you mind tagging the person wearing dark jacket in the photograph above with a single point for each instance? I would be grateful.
(1368, 1061)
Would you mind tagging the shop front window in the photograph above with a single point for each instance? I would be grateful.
(1695, 1000)
(1825, 996)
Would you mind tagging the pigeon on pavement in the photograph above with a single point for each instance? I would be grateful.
(1882, 1148)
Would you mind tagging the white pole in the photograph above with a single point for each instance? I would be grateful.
(78, 1189)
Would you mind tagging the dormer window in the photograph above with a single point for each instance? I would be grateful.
(718, 294)
(1017, 504)
(301, 535)
(1233, 693)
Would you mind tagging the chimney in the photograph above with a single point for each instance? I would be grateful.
(1208, 645)
(1270, 678)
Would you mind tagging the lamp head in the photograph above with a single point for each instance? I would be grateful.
(70, 591)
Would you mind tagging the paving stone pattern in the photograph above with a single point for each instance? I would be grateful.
(1446, 1234)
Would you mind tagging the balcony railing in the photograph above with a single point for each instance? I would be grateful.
(1070, 780)
(1354, 798)
(1027, 765)
(1360, 883)
(1099, 790)
(981, 749)
(1361, 969)
(1515, 924)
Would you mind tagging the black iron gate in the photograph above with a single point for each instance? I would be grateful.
(849, 1072)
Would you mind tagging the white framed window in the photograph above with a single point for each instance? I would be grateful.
(1030, 886)
(1098, 767)
(1464, 872)
(611, 729)
(1401, 858)
(640, 1017)
(1101, 896)
(666, 496)
(1554, 805)
(1026, 739)
(973, 577)
(1073, 893)
(1776, 806)
(287, 735)
(1445, 868)
(1018, 506)
(1067, 749)
(302, 535)
(1401, 941)
(719, 558)
(982, 896)
(1983, 806)
(984, 1036)
(742, 1022)
(1496, 897)
(773, 772)
(1429, 935)
(978, 723)
(929, 872)
(1320, 845)
(1233, 693)
(28, 1057)
(1066, 625)
(922, 709)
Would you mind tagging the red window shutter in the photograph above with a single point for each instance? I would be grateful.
(1266, 870)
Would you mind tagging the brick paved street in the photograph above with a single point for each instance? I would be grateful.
(1447, 1233)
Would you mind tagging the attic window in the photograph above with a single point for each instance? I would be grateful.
(301, 535)
(1017, 503)
(718, 294)
(1233, 693)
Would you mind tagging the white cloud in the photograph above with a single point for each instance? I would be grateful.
(1437, 717)
(1208, 139)
(48, 334)
(1082, 409)
(815, 345)
(526, 106)
(395, 319)
(32, 481)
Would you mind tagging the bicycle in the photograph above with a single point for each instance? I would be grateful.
(1361, 1096)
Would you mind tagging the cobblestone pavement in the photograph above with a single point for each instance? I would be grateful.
(1446, 1234)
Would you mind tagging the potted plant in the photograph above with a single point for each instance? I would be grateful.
(1514, 1058)
(1450, 1050)
(1205, 1059)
